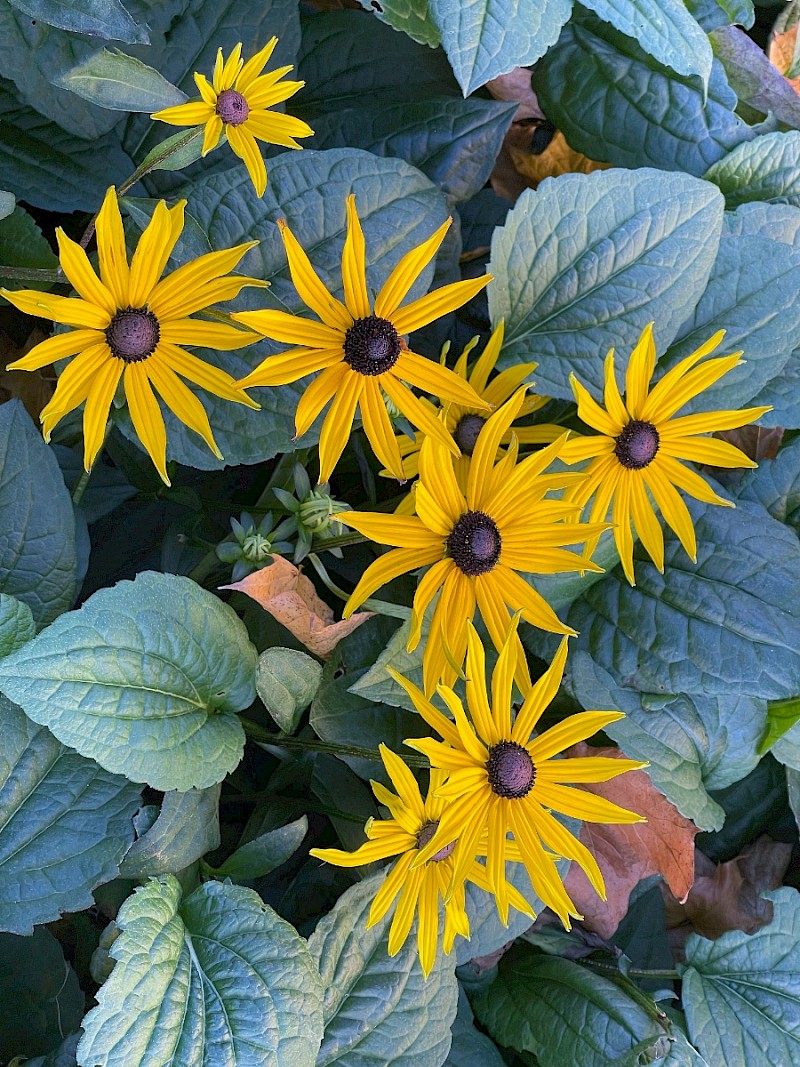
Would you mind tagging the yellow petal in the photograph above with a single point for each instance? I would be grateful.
(488, 359)
(176, 294)
(383, 570)
(428, 587)
(440, 302)
(291, 329)
(64, 309)
(611, 395)
(316, 396)
(58, 347)
(203, 374)
(439, 481)
(417, 413)
(146, 416)
(207, 334)
(675, 512)
(590, 412)
(154, 249)
(585, 769)
(406, 272)
(74, 384)
(354, 265)
(286, 367)
(193, 113)
(437, 380)
(244, 145)
(404, 913)
(706, 450)
(582, 804)
(484, 455)
(539, 697)
(428, 922)
(232, 68)
(647, 525)
(205, 89)
(404, 782)
(98, 403)
(640, 370)
(477, 697)
(389, 889)
(75, 264)
(111, 254)
(182, 402)
(338, 424)
(275, 128)
(253, 67)
(211, 134)
(522, 597)
(311, 290)
(568, 732)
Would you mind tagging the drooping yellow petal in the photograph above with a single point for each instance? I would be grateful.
(541, 870)
(417, 413)
(454, 609)
(477, 697)
(64, 309)
(404, 913)
(429, 585)
(74, 384)
(246, 148)
(354, 265)
(522, 597)
(146, 416)
(211, 135)
(378, 428)
(623, 537)
(317, 395)
(182, 402)
(208, 377)
(391, 565)
(399, 531)
(412, 264)
(58, 347)
(338, 424)
(394, 882)
(557, 837)
(98, 403)
(675, 512)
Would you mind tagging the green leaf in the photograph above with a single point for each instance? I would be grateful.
(399, 208)
(41, 994)
(728, 625)
(286, 681)
(411, 17)
(470, 1048)
(782, 715)
(758, 84)
(752, 807)
(263, 854)
(177, 152)
(146, 678)
(50, 168)
(752, 295)
(22, 244)
(767, 168)
(616, 104)
(664, 29)
(693, 743)
(641, 247)
(7, 202)
(793, 790)
(16, 624)
(94, 18)
(65, 824)
(38, 561)
(485, 38)
(714, 13)
(107, 488)
(120, 83)
(775, 484)
(410, 108)
(234, 983)
(63, 1056)
(377, 1008)
(378, 686)
(741, 994)
(576, 1016)
(187, 827)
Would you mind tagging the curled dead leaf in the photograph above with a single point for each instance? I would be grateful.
(663, 845)
(286, 593)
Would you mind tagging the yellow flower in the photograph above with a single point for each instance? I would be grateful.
(465, 422)
(641, 446)
(500, 779)
(412, 825)
(238, 100)
(360, 350)
(129, 325)
(477, 542)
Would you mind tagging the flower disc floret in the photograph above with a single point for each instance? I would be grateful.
(371, 345)
(133, 334)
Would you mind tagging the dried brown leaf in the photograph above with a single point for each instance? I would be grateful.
(516, 85)
(780, 52)
(663, 845)
(35, 388)
(286, 593)
(757, 442)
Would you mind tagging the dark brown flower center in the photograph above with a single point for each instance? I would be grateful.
(474, 543)
(133, 334)
(232, 107)
(637, 445)
(371, 345)
(511, 770)
(426, 834)
(466, 432)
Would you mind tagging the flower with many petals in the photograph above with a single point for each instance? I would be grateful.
(477, 543)
(500, 779)
(413, 823)
(238, 101)
(640, 446)
(465, 423)
(129, 324)
(360, 350)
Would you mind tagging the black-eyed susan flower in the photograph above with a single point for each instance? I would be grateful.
(477, 543)
(465, 423)
(413, 823)
(641, 445)
(127, 324)
(501, 779)
(238, 101)
(360, 349)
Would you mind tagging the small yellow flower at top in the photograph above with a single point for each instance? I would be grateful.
(640, 445)
(238, 100)
(129, 325)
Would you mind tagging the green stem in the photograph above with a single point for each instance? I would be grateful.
(32, 274)
(261, 735)
(80, 487)
(383, 607)
(635, 972)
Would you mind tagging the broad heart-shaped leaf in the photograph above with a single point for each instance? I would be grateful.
(96, 18)
(146, 678)
(586, 261)
(760, 87)
(65, 824)
(411, 17)
(377, 1008)
(216, 978)
(193, 32)
(120, 83)
(741, 992)
(484, 38)
(41, 993)
(410, 108)
(16, 624)
(752, 295)
(186, 829)
(767, 168)
(576, 1016)
(664, 29)
(616, 104)
(728, 625)
(470, 1048)
(399, 208)
(693, 743)
(38, 561)
(711, 14)
(50, 168)
(286, 682)
(776, 484)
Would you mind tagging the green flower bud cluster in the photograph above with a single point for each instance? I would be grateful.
(255, 543)
(312, 511)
